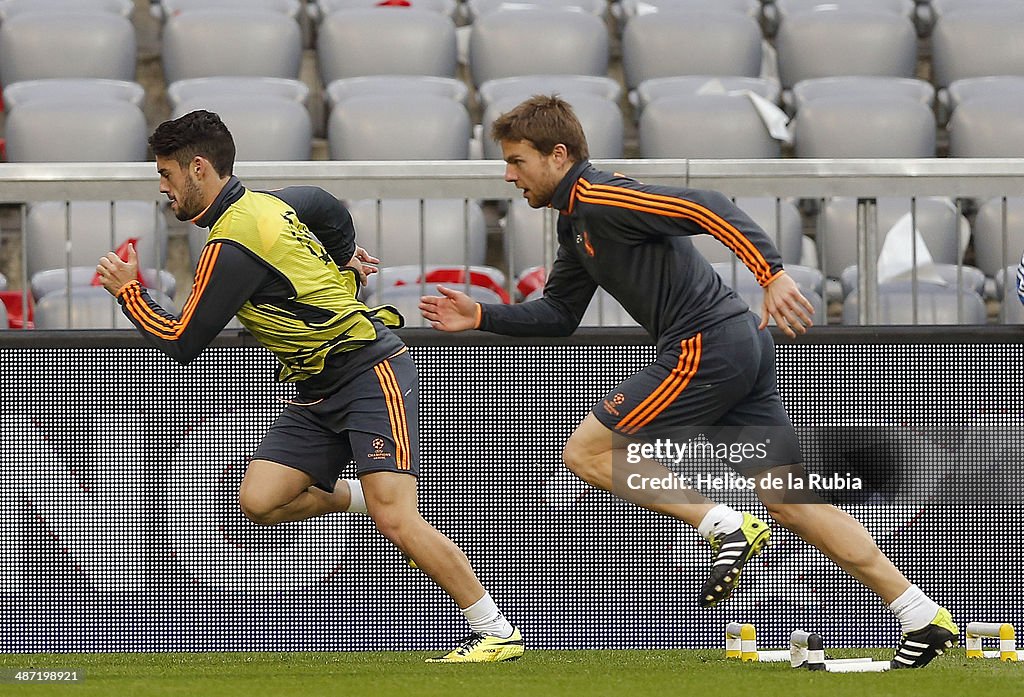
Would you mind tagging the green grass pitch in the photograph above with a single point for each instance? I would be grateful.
(539, 674)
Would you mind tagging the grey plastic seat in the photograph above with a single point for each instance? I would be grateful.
(76, 131)
(990, 254)
(658, 87)
(3, 282)
(530, 236)
(4, 319)
(935, 305)
(346, 88)
(506, 43)
(321, 9)
(854, 85)
(46, 233)
(966, 277)
(226, 42)
(977, 41)
(668, 44)
(864, 126)
(521, 87)
(289, 8)
(49, 281)
(601, 120)
(73, 88)
(91, 307)
(834, 42)
(632, 8)
(738, 277)
(386, 41)
(12, 8)
(475, 9)
(943, 230)
(780, 219)
(988, 126)
(37, 45)
(453, 232)
(264, 128)
(399, 127)
(971, 87)
(216, 86)
(705, 126)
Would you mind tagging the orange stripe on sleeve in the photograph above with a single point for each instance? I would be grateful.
(667, 392)
(643, 201)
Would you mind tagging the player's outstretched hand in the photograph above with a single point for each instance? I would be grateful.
(115, 272)
(452, 311)
(364, 264)
(784, 303)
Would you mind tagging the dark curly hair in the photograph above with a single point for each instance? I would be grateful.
(199, 133)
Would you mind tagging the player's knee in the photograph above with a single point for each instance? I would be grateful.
(788, 515)
(578, 461)
(257, 509)
(392, 524)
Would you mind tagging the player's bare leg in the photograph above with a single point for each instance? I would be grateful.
(596, 456)
(273, 493)
(928, 628)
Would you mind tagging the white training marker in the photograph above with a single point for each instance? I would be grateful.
(778, 656)
(860, 667)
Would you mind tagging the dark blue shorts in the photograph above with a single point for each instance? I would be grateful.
(719, 384)
(371, 420)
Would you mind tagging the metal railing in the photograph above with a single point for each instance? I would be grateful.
(962, 180)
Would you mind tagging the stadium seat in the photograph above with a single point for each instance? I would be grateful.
(935, 305)
(289, 8)
(346, 88)
(601, 119)
(450, 236)
(988, 126)
(832, 42)
(218, 86)
(658, 87)
(951, 275)
(264, 128)
(475, 9)
(321, 9)
(971, 87)
(919, 14)
(4, 319)
(230, 42)
(991, 253)
(705, 126)
(399, 127)
(46, 234)
(854, 85)
(864, 126)
(89, 307)
(977, 41)
(507, 43)
(521, 87)
(668, 44)
(780, 219)
(943, 230)
(386, 41)
(530, 238)
(631, 8)
(76, 131)
(38, 45)
(11, 8)
(48, 281)
(73, 89)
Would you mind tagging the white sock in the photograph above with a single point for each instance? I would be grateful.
(914, 609)
(720, 519)
(358, 503)
(485, 618)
